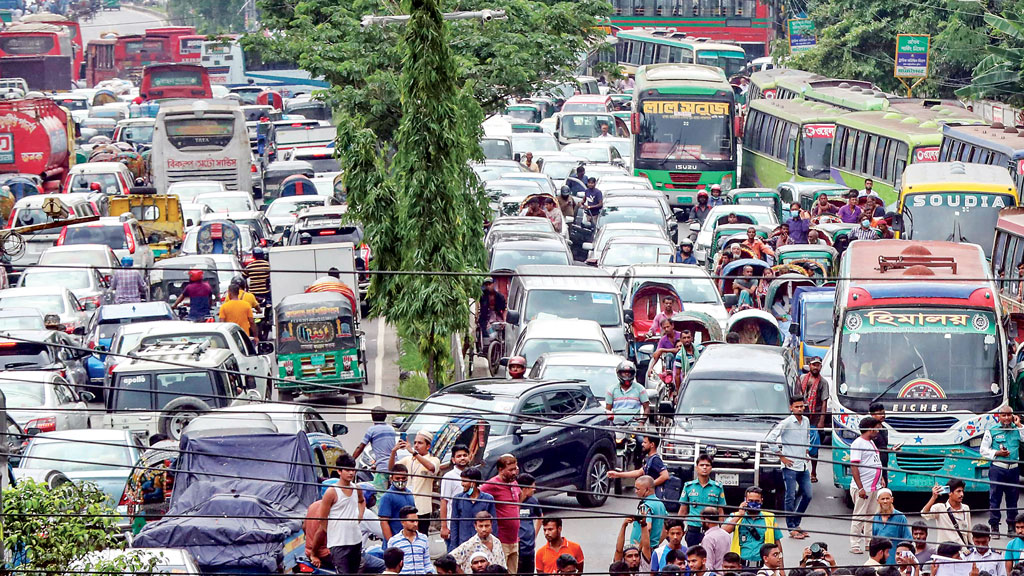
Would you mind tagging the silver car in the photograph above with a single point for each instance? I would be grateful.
(43, 401)
(98, 256)
(49, 300)
(85, 283)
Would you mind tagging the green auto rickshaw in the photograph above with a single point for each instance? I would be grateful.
(727, 234)
(818, 260)
(530, 113)
(320, 349)
(760, 197)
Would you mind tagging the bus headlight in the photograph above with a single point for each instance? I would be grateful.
(726, 182)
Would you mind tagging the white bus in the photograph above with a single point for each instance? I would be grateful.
(201, 140)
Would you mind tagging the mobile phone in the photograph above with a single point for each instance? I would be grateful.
(404, 437)
(944, 489)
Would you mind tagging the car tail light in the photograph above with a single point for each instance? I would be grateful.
(46, 424)
(12, 219)
(252, 168)
(130, 238)
(126, 497)
(327, 232)
(69, 328)
(247, 259)
(62, 237)
(94, 300)
(305, 568)
(91, 344)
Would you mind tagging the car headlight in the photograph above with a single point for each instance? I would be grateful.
(679, 450)
(848, 435)
(769, 458)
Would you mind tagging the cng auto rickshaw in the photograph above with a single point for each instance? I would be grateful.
(644, 307)
(778, 298)
(297, 185)
(825, 257)
(169, 276)
(811, 328)
(525, 112)
(319, 345)
(755, 327)
(219, 237)
(276, 173)
(759, 197)
(159, 216)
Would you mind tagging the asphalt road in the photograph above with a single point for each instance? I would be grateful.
(124, 21)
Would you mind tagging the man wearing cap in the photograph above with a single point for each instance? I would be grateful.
(422, 467)
(811, 386)
(716, 196)
(566, 203)
(850, 213)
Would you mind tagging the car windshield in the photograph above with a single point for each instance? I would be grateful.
(534, 347)
(93, 258)
(110, 325)
(15, 355)
(70, 279)
(321, 165)
(731, 62)
(83, 182)
(817, 329)
(586, 125)
(496, 149)
(76, 456)
(281, 208)
(186, 191)
(625, 254)
(45, 303)
(569, 107)
(591, 153)
(582, 304)
(431, 416)
(559, 170)
(731, 397)
(932, 353)
(523, 143)
(598, 377)
(954, 217)
(650, 214)
(112, 236)
(137, 134)
(23, 394)
(28, 322)
(232, 203)
(509, 259)
(30, 216)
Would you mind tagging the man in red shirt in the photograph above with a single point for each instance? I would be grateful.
(507, 496)
(812, 388)
(547, 555)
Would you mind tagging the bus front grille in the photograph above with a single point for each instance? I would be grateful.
(684, 179)
(911, 462)
(919, 424)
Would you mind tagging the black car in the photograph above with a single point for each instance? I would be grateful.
(731, 398)
(565, 444)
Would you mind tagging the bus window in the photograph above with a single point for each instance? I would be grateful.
(999, 252)
(878, 155)
(677, 54)
(648, 56)
(663, 52)
(848, 142)
(200, 132)
(27, 45)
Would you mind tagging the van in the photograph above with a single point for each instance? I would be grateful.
(539, 291)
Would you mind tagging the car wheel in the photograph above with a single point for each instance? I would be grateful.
(178, 413)
(596, 485)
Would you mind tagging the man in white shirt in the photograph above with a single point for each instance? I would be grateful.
(451, 486)
(987, 559)
(793, 436)
(771, 561)
(952, 518)
(866, 469)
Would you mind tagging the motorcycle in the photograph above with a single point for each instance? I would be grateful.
(629, 455)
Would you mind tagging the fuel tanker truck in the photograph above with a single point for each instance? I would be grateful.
(36, 138)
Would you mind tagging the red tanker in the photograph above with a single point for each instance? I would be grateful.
(34, 139)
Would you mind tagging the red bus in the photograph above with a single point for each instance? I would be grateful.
(134, 52)
(190, 48)
(161, 81)
(171, 36)
(101, 61)
(76, 37)
(36, 39)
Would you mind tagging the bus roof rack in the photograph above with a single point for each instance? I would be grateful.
(886, 263)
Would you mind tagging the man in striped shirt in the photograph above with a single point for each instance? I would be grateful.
(257, 273)
(413, 543)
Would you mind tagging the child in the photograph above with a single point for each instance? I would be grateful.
(530, 515)
(465, 507)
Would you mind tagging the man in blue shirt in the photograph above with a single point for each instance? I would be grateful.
(530, 514)
(799, 224)
(686, 255)
(850, 213)
(413, 543)
(381, 437)
(593, 198)
(1015, 548)
(465, 507)
(392, 502)
(650, 507)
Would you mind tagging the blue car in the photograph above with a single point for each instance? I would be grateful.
(105, 322)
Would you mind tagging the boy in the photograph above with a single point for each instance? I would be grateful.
(381, 437)
(466, 506)
(451, 486)
(414, 544)
(530, 515)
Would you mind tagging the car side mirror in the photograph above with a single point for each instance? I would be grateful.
(503, 361)
(100, 348)
(32, 431)
(592, 262)
(897, 221)
(627, 316)
(588, 246)
(339, 430)
(529, 429)
(398, 422)
(263, 207)
(87, 396)
(512, 317)
(730, 300)
(518, 156)
(264, 348)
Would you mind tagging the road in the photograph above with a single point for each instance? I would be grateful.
(124, 21)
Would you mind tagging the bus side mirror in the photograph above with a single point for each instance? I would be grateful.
(897, 221)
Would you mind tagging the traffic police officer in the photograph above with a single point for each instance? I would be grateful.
(1001, 445)
(697, 493)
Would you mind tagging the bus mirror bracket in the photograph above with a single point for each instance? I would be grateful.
(897, 221)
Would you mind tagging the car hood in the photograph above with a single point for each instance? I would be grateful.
(721, 430)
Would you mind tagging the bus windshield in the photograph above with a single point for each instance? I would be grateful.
(920, 354)
(684, 130)
(26, 45)
(731, 62)
(817, 329)
(816, 151)
(954, 217)
(205, 132)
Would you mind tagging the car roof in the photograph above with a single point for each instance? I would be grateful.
(682, 270)
(30, 375)
(95, 434)
(19, 312)
(632, 200)
(743, 361)
(501, 387)
(579, 359)
(553, 276)
(187, 183)
(98, 168)
(103, 221)
(564, 328)
(33, 291)
(530, 244)
(638, 240)
(136, 310)
(169, 361)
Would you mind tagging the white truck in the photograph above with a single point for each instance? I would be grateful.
(294, 268)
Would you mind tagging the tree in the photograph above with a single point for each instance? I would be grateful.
(209, 16)
(998, 75)
(857, 39)
(541, 42)
(53, 530)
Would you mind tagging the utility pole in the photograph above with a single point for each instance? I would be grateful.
(482, 15)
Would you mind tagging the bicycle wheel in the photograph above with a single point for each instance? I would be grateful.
(494, 357)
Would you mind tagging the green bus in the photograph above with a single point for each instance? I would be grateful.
(764, 83)
(787, 140)
(684, 137)
(880, 145)
(635, 48)
(851, 95)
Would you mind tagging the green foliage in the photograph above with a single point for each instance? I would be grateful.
(41, 527)
(209, 16)
(999, 74)
(857, 39)
(540, 42)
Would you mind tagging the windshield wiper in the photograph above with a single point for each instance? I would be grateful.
(893, 385)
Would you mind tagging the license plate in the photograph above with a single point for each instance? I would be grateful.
(318, 360)
(919, 480)
(347, 374)
(728, 479)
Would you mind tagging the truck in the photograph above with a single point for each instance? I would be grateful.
(294, 268)
(238, 503)
(35, 139)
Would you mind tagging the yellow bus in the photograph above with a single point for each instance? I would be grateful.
(954, 202)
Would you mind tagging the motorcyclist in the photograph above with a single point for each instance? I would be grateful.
(257, 272)
(127, 283)
(517, 367)
(629, 399)
(686, 252)
(700, 210)
(199, 294)
(716, 196)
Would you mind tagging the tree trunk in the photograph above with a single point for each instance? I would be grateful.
(431, 360)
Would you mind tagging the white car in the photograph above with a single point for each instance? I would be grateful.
(98, 256)
(44, 400)
(113, 178)
(53, 300)
(227, 201)
(286, 418)
(622, 181)
(187, 191)
(282, 213)
(595, 368)
(624, 251)
(618, 230)
(544, 335)
(693, 284)
(596, 152)
(122, 234)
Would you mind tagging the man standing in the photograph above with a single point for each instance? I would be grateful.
(674, 530)
(593, 199)
(653, 466)
(451, 486)
(127, 283)
(771, 560)
(752, 527)
(392, 502)
(422, 466)
(530, 516)
(412, 543)
(987, 559)
(866, 469)
(812, 388)
(239, 312)
(686, 357)
(799, 223)
(697, 493)
(877, 411)
(1001, 445)
(548, 554)
(716, 541)
(868, 185)
(507, 496)
(756, 245)
(381, 437)
(345, 506)
(466, 506)
(650, 507)
(483, 542)
(1015, 547)
(566, 203)
(491, 309)
(850, 213)
(792, 435)
(953, 518)
(316, 538)
(923, 551)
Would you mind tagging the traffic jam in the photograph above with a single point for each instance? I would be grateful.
(721, 296)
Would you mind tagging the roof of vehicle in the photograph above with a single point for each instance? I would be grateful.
(627, 200)
(78, 247)
(740, 361)
(517, 182)
(501, 386)
(553, 277)
(651, 269)
(312, 151)
(542, 328)
(133, 121)
(862, 257)
(28, 375)
(552, 244)
(105, 221)
(193, 183)
(588, 98)
(34, 291)
(181, 261)
(92, 434)
(136, 310)
(944, 177)
(165, 357)
(98, 168)
(579, 359)
(289, 165)
(638, 240)
(223, 194)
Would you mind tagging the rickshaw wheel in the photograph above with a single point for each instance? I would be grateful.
(493, 358)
